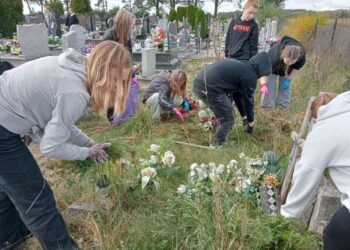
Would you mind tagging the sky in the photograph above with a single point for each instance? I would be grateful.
(318, 5)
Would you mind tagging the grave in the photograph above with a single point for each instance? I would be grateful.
(33, 40)
(148, 62)
(172, 43)
(74, 38)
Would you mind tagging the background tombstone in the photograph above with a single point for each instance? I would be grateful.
(172, 28)
(33, 40)
(74, 38)
(148, 61)
(163, 22)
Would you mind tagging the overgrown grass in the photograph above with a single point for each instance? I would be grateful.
(139, 219)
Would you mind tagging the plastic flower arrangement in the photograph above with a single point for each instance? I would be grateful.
(156, 165)
(242, 176)
(207, 119)
(159, 37)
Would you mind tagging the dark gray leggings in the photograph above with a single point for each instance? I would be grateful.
(336, 235)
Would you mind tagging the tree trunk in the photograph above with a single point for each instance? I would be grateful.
(30, 10)
(67, 4)
(195, 3)
(216, 5)
(157, 8)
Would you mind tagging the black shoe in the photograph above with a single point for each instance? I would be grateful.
(245, 122)
(250, 129)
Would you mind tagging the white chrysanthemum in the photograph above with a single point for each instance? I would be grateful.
(169, 158)
(193, 166)
(181, 189)
(212, 165)
(153, 159)
(154, 148)
(220, 169)
(149, 172)
(202, 114)
(241, 155)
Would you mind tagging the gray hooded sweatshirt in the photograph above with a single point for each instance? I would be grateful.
(47, 96)
(327, 145)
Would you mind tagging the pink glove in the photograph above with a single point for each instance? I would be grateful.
(178, 114)
(264, 89)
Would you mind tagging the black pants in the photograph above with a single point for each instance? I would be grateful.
(26, 200)
(221, 105)
(336, 235)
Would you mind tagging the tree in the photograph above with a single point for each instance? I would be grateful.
(191, 15)
(28, 5)
(140, 9)
(172, 15)
(39, 2)
(156, 4)
(10, 16)
(201, 20)
(57, 7)
(181, 12)
(81, 6)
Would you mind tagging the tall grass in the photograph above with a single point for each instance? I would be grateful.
(138, 219)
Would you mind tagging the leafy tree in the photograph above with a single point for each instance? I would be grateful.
(181, 12)
(140, 9)
(191, 15)
(201, 19)
(56, 6)
(271, 11)
(81, 6)
(10, 16)
(172, 15)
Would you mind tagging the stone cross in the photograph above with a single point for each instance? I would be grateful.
(33, 40)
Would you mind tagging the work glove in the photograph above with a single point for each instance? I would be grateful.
(186, 106)
(97, 153)
(286, 83)
(264, 89)
(250, 129)
(178, 114)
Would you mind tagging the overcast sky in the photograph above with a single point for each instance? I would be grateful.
(318, 5)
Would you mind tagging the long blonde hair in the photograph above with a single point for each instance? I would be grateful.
(123, 21)
(177, 83)
(292, 53)
(105, 67)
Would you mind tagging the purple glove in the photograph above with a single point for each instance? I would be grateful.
(264, 89)
(97, 153)
(178, 114)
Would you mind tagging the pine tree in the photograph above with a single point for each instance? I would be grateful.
(11, 14)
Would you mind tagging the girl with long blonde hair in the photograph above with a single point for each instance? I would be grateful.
(287, 57)
(44, 98)
(165, 93)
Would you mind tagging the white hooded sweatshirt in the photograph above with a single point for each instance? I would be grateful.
(327, 145)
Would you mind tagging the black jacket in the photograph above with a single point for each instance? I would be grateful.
(73, 20)
(231, 76)
(110, 34)
(278, 66)
(242, 39)
(160, 85)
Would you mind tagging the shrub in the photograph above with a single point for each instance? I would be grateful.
(181, 12)
(201, 19)
(172, 15)
(191, 15)
(10, 16)
(302, 26)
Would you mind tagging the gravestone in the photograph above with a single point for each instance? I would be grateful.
(172, 28)
(185, 26)
(33, 40)
(274, 28)
(74, 38)
(148, 61)
(163, 22)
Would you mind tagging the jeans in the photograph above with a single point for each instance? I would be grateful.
(221, 105)
(284, 95)
(26, 200)
(156, 110)
(336, 235)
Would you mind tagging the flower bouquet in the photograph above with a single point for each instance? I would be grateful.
(159, 37)
(156, 165)
(207, 119)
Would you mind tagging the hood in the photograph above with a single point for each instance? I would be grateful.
(287, 40)
(338, 106)
(261, 64)
(73, 60)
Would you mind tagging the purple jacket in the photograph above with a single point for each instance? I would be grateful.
(132, 104)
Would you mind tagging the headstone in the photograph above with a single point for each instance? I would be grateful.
(185, 26)
(172, 29)
(327, 203)
(74, 38)
(33, 40)
(148, 61)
